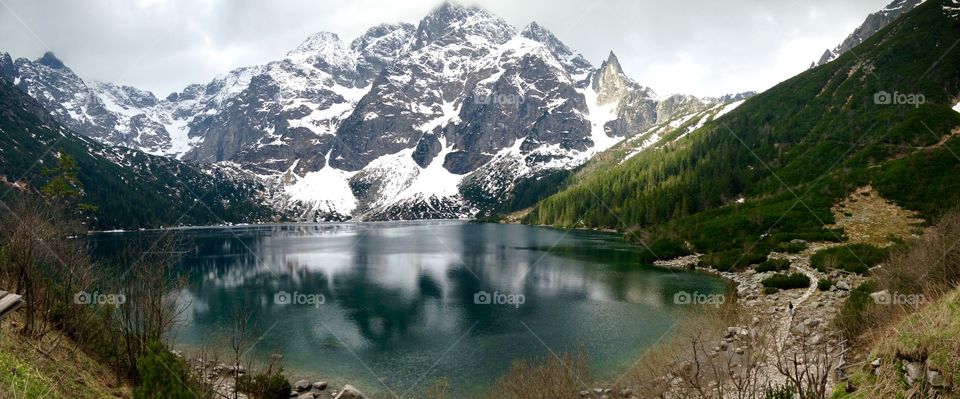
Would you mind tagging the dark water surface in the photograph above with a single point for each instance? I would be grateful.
(399, 307)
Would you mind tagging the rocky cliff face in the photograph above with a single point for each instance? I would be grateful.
(873, 24)
(443, 119)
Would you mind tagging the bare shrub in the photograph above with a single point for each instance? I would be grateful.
(44, 259)
(808, 362)
(932, 264)
(149, 311)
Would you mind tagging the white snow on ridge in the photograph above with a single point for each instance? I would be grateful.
(655, 133)
(327, 47)
(956, 107)
(727, 108)
(952, 8)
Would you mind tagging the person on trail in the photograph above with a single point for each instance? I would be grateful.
(791, 310)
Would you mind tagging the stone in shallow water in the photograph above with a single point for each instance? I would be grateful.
(301, 385)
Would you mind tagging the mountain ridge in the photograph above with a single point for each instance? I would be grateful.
(493, 105)
(129, 189)
(871, 25)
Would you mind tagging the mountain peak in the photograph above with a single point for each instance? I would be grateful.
(536, 32)
(323, 46)
(446, 13)
(611, 84)
(51, 60)
(574, 63)
(452, 21)
(385, 41)
(317, 40)
(613, 63)
(533, 28)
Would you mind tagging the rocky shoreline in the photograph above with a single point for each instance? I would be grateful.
(223, 379)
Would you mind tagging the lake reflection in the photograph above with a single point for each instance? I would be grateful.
(399, 309)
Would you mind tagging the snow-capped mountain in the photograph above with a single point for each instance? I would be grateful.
(453, 117)
(873, 24)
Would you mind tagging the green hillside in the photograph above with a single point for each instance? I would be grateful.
(791, 152)
(129, 189)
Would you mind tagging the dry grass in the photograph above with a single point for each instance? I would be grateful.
(931, 335)
(556, 377)
(868, 218)
(932, 265)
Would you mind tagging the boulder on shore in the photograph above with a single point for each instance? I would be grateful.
(349, 392)
(301, 385)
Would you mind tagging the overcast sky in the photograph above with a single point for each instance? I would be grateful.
(694, 47)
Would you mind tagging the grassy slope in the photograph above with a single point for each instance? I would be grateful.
(64, 372)
(934, 332)
(815, 137)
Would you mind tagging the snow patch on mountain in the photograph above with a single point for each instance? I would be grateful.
(449, 113)
(728, 107)
(433, 181)
(598, 115)
(689, 123)
(324, 191)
